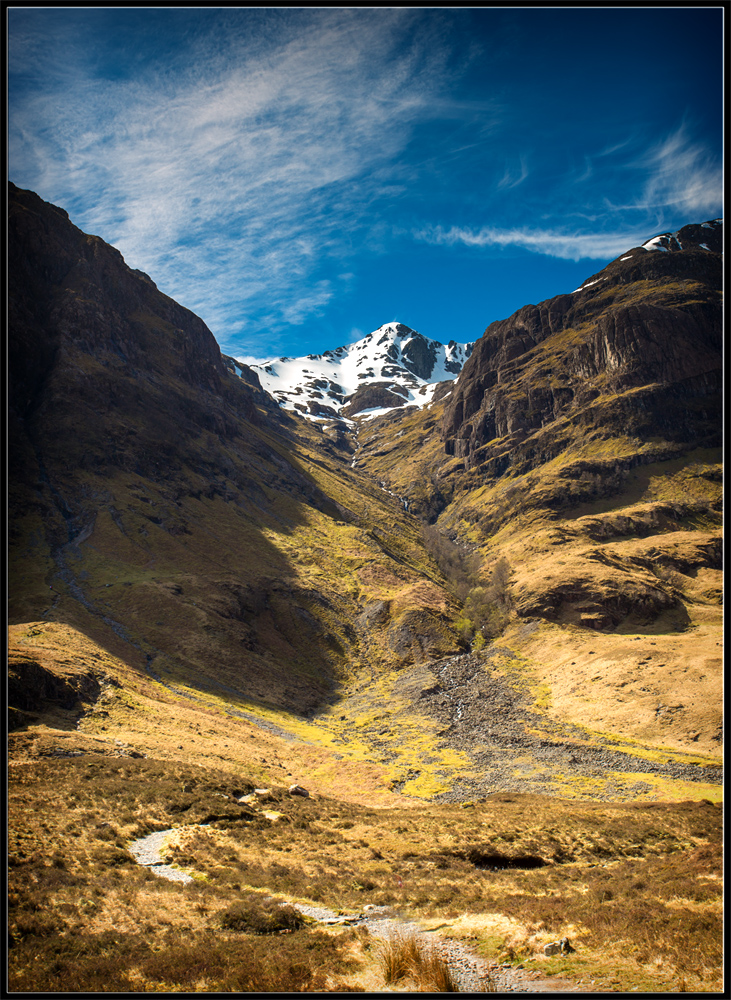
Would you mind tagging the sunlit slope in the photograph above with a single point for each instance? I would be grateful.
(165, 506)
(616, 603)
(74, 697)
(581, 447)
(107, 754)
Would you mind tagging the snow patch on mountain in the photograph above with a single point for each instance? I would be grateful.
(684, 238)
(392, 366)
(706, 236)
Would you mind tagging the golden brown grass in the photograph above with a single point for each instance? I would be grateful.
(635, 886)
(648, 675)
(623, 571)
(403, 956)
(226, 582)
(630, 880)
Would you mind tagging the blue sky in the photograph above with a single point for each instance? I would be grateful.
(298, 177)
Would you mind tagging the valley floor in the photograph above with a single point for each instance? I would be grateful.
(632, 879)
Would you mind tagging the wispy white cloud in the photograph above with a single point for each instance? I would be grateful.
(514, 176)
(266, 151)
(681, 174)
(554, 243)
(674, 177)
(265, 155)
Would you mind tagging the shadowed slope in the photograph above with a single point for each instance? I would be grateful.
(166, 507)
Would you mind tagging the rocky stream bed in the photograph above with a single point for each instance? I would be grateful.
(488, 717)
(472, 973)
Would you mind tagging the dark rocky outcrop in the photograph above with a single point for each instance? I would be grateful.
(374, 395)
(107, 370)
(635, 351)
(33, 686)
(419, 355)
(243, 371)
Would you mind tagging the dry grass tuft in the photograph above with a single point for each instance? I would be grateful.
(403, 955)
(637, 886)
(261, 916)
(433, 972)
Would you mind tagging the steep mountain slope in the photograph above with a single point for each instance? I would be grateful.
(167, 511)
(581, 444)
(637, 347)
(209, 603)
(171, 511)
(390, 367)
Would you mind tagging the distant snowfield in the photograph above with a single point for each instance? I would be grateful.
(395, 358)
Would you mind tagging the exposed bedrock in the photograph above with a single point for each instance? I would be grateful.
(638, 352)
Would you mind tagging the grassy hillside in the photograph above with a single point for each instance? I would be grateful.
(108, 755)
(573, 482)
(613, 606)
(496, 671)
(258, 589)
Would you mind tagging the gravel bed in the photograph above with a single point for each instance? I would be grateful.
(472, 974)
(146, 852)
(488, 717)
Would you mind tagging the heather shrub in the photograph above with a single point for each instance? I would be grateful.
(255, 915)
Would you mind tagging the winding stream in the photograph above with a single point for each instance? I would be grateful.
(472, 974)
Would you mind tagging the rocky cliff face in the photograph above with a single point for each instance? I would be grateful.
(163, 509)
(106, 370)
(581, 444)
(636, 350)
(162, 503)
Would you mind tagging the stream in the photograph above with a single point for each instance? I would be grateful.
(472, 974)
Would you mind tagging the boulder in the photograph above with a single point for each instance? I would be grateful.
(299, 790)
(562, 947)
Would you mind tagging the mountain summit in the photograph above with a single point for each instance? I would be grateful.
(390, 367)
(228, 621)
(466, 597)
(634, 351)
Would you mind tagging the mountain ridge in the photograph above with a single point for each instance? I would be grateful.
(392, 366)
(170, 510)
(477, 413)
(173, 510)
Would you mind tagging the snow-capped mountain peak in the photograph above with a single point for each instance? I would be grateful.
(706, 236)
(392, 366)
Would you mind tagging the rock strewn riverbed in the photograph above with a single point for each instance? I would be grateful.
(471, 973)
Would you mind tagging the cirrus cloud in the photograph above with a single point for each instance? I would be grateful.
(267, 156)
(567, 245)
